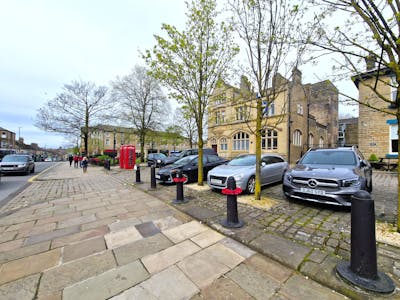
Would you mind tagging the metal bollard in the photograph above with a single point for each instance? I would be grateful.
(153, 183)
(362, 269)
(179, 180)
(137, 168)
(231, 192)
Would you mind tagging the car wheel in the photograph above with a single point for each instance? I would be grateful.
(33, 170)
(251, 184)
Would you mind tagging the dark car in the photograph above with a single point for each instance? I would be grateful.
(189, 167)
(157, 159)
(172, 159)
(329, 176)
(17, 163)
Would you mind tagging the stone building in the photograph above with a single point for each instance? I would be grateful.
(7, 138)
(377, 130)
(103, 137)
(300, 116)
(348, 132)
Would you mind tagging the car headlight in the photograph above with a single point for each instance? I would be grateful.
(158, 161)
(238, 176)
(21, 165)
(351, 182)
(288, 177)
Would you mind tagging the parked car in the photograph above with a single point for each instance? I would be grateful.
(189, 167)
(172, 159)
(157, 159)
(329, 176)
(17, 163)
(243, 169)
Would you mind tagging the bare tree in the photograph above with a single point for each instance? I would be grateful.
(72, 111)
(187, 123)
(190, 62)
(141, 102)
(370, 32)
(269, 30)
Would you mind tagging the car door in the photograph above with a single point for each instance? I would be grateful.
(270, 170)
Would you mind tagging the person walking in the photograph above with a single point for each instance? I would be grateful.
(75, 158)
(70, 158)
(84, 164)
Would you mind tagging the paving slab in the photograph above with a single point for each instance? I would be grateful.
(122, 224)
(118, 238)
(138, 249)
(56, 279)
(285, 251)
(185, 231)
(167, 223)
(107, 284)
(24, 251)
(83, 249)
(224, 288)
(51, 235)
(147, 229)
(29, 265)
(269, 268)
(207, 238)
(158, 261)
(298, 287)
(170, 284)
(80, 236)
(21, 289)
(239, 248)
(253, 282)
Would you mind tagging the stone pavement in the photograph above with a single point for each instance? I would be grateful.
(71, 235)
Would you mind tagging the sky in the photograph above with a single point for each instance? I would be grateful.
(45, 44)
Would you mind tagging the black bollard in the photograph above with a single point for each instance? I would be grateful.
(231, 192)
(362, 270)
(153, 183)
(179, 180)
(137, 167)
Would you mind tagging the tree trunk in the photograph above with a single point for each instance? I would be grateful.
(398, 170)
(200, 159)
(257, 190)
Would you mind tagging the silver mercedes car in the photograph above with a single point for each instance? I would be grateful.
(243, 169)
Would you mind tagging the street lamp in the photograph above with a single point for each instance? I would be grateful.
(114, 154)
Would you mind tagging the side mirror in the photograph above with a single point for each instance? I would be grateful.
(363, 164)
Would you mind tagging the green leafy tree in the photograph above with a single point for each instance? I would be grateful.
(73, 110)
(190, 62)
(187, 124)
(369, 32)
(269, 30)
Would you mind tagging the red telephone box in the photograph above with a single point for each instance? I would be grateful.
(128, 156)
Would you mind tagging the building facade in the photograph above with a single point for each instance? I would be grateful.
(348, 132)
(7, 138)
(300, 116)
(377, 128)
(106, 138)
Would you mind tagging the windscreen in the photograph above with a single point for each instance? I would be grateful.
(329, 158)
(244, 160)
(14, 158)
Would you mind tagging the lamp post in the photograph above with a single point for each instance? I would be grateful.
(114, 154)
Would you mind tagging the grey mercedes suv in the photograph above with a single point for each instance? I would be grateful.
(328, 176)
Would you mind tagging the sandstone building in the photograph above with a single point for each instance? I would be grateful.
(377, 130)
(300, 116)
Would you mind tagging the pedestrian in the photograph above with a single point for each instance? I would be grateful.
(70, 158)
(75, 158)
(80, 158)
(84, 164)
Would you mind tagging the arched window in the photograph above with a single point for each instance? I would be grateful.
(297, 137)
(310, 140)
(321, 142)
(241, 141)
(213, 141)
(223, 145)
(269, 139)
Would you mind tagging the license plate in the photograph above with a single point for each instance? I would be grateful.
(312, 191)
(216, 181)
(8, 168)
(158, 177)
